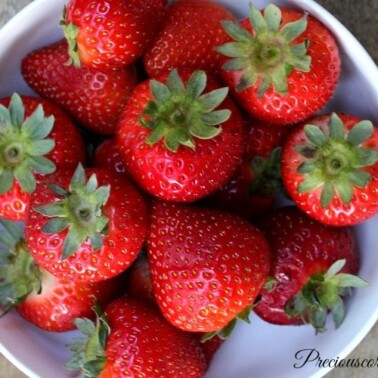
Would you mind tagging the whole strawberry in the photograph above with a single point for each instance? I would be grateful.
(48, 302)
(282, 65)
(253, 188)
(86, 226)
(312, 269)
(133, 339)
(36, 138)
(180, 136)
(207, 267)
(110, 34)
(330, 168)
(189, 33)
(93, 97)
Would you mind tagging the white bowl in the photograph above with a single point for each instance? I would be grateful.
(259, 350)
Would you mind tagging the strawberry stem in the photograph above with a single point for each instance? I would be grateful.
(335, 159)
(23, 144)
(322, 293)
(179, 112)
(19, 274)
(79, 211)
(268, 55)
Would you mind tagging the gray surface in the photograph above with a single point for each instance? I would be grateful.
(359, 16)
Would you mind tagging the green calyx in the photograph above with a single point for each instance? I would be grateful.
(23, 144)
(266, 174)
(71, 32)
(89, 353)
(179, 112)
(226, 331)
(19, 275)
(79, 210)
(322, 293)
(335, 160)
(268, 55)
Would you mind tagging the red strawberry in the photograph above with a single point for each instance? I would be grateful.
(107, 156)
(307, 271)
(94, 98)
(42, 299)
(190, 31)
(138, 281)
(253, 188)
(173, 142)
(134, 339)
(207, 267)
(110, 34)
(86, 230)
(36, 138)
(330, 168)
(284, 65)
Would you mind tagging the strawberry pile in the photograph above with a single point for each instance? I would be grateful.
(175, 172)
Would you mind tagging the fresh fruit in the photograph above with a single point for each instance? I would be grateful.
(312, 269)
(110, 34)
(36, 138)
(138, 281)
(189, 32)
(207, 267)
(107, 156)
(330, 168)
(93, 97)
(138, 285)
(253, 188)
(42, 299)
(180, 137)
(86, 229)
(284, 65)
(132, 339)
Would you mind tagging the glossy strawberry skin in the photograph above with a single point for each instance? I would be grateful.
(69, 150)
(114, 33)
(206, 266)
(307, 92)
(189, 173)
(235, 196)
(127, 214)
(93, 97)
(301, 247)
(189, 32)
(364, 203)
(107, 156)
(63, 300)
(142, 342)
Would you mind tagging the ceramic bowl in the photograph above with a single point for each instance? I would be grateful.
(259, 349)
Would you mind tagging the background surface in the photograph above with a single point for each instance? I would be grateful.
(361, 18)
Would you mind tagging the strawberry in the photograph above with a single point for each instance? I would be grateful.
(138, 281)
(312, 269)
(42, 299)
(106, 156)
(110, 34)
(86, 230)
(207, 267)
(173, 142)
(132, 339)
(139, 285)
(284, 65)
(91, 96)
(253, 188)
(189, 32)
(330, 168)
(36, 138)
